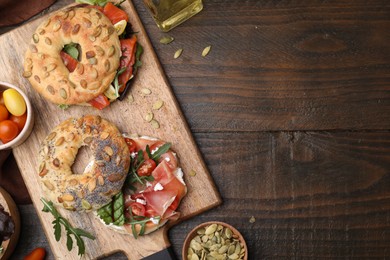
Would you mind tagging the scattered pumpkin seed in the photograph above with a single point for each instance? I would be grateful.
(166, 39)
(206, 51)
(149, 116)
(130, 98)
(252, 220)
(146, 91)
(158, 104)
(192, 173)
(177, 53)
(155, 124)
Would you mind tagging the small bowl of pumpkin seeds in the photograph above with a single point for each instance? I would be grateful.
(214, 240)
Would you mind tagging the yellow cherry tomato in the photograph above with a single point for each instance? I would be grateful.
(14, 102)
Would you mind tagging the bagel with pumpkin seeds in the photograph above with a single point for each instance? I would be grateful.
(99, 59)
(102, 178)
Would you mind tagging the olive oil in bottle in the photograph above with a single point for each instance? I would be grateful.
(170, 13)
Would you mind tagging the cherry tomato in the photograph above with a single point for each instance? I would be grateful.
(14, 102)
(1, 98)
(8, 131)
(19, 120)
(137, 209)
(3, 113)
(38, 253)
(131, 144)
(169, 157)
(146, 167)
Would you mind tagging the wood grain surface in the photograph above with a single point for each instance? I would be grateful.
(290, 110)
(129, 117)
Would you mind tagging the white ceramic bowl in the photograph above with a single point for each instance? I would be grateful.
(26, 131)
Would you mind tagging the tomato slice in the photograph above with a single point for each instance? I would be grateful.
(137, 209)
(69, 61)
(100, 102)
(131, 144)
(128, 48)
(114, 13)
(146, 168)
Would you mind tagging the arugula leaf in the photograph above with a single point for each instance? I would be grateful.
(160, 151)
(148, 151)
(142, 222)
(76, 232)
(72, 50)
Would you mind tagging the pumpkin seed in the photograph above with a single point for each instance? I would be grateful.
(166, 39)
(27, 74)
(85, 204)
(211, 229)
(252, 220)
(233, 256)
(158, 104)
(206, 51)
(35, 38)
(130, 98)
(146, 91)
(155, 124)
(149, 116)
(192, 173)
(177, 53)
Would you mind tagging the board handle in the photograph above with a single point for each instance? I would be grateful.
(165, 254)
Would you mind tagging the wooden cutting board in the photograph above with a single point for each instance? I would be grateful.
(129, 117)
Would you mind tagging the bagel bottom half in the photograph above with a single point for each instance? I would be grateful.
(151, 195)
(102, 178)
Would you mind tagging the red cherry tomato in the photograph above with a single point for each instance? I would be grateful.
(137, 209)
(19, 120)
(131, 144)
(1, 98)
(8, 131)
(3, 113)
(169, 157)
(146, 167)
(38, 253)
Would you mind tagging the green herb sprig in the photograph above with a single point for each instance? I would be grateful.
(142, 222)
(76, 232)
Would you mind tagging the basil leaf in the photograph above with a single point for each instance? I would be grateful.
(105, 213)
(119, 209)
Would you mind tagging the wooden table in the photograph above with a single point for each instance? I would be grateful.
(291, 111)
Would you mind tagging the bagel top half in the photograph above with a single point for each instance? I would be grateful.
(98, 59)
(102, 178)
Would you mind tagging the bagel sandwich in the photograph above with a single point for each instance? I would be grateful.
(83, 55)
(152, 191)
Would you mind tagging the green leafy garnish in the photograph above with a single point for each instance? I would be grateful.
(160, 151)
(138, 62)
(116, 81)
(114, 211)
(142, 222)
(72, 50)
(63, 106)
(58, 221)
